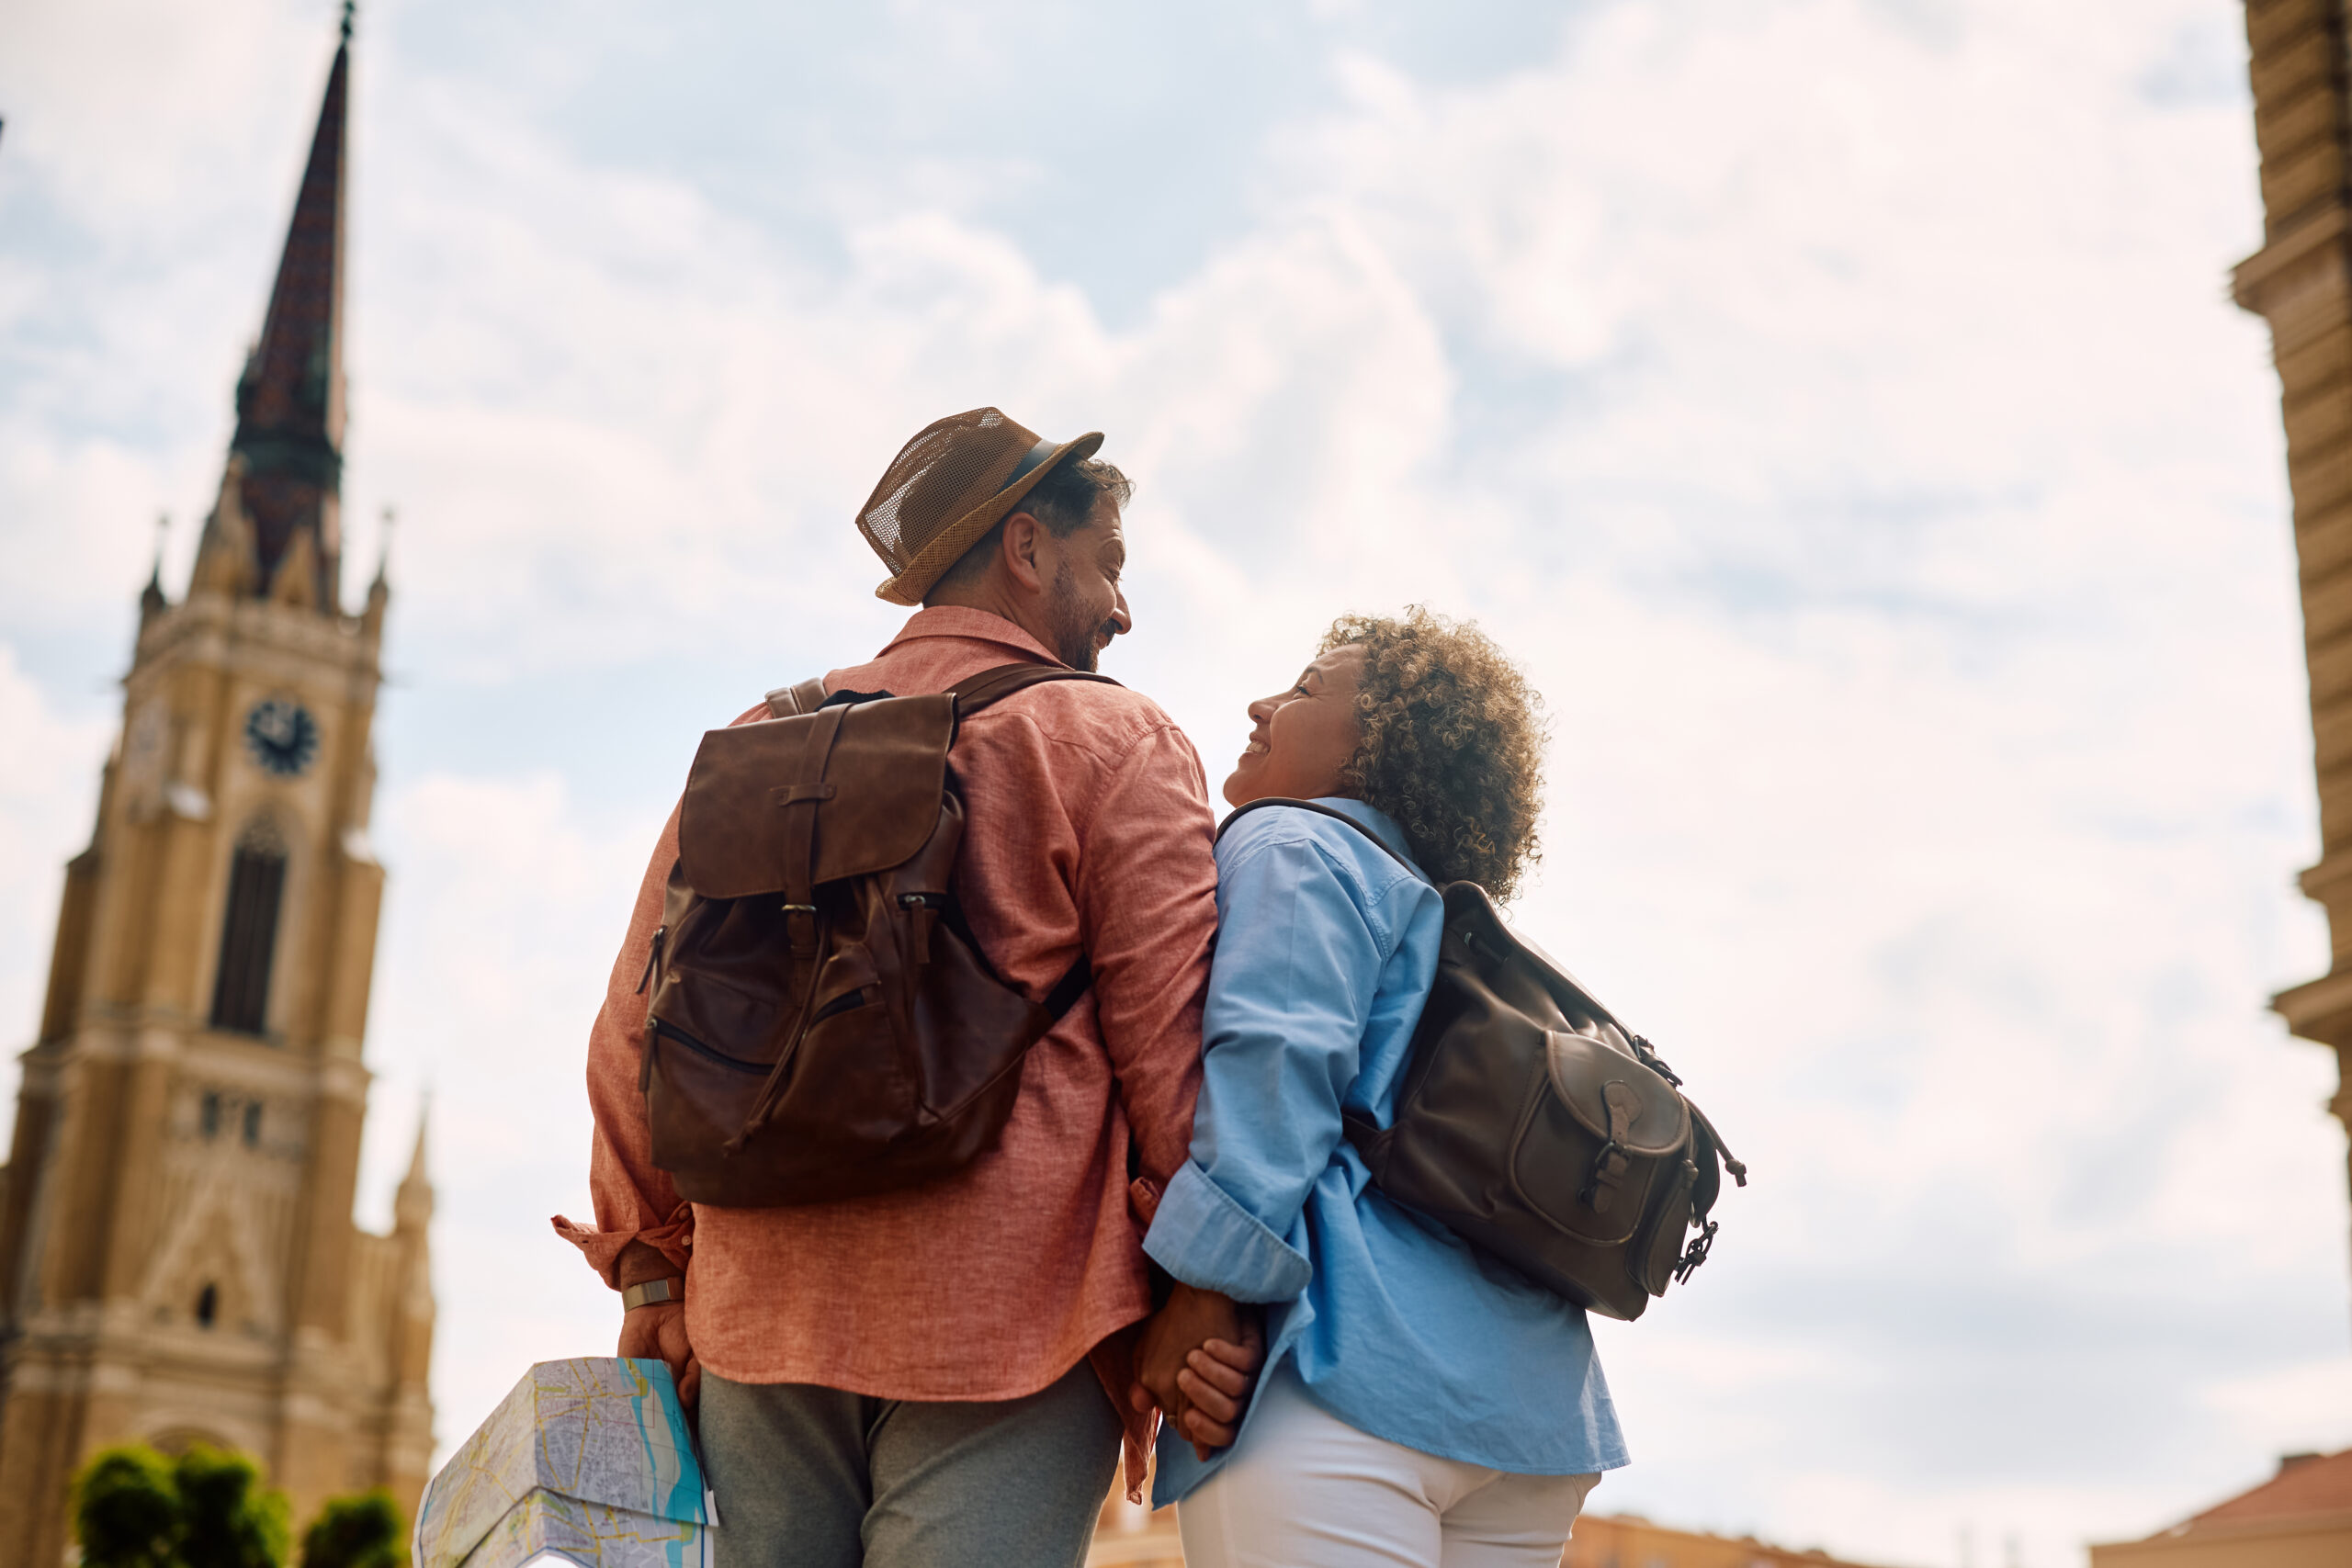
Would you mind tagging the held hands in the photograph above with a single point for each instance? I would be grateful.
(1197, 1361)
(658, 1332)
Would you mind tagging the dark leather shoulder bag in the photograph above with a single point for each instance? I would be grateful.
(821, 1024)
(1535, 1125)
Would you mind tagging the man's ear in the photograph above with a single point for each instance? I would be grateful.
(1022, 551)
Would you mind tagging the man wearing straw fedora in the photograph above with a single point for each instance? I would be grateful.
(940, 1375)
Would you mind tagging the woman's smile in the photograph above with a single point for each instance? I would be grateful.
(1300, 741)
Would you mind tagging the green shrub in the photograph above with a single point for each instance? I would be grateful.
(133, 1508)
(228, 1519)
(363, 1531)
(126, 1509)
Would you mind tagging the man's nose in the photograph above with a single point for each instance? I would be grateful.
(1121, 617)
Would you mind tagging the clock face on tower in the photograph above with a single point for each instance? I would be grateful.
(282, 735)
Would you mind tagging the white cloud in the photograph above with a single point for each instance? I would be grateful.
(502, 918)
(46, 772)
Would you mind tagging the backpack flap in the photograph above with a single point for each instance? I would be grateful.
(1614, 1096)
(841, 792)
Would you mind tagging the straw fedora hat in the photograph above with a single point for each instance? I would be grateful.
(956, 480)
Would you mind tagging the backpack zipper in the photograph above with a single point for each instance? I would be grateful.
(652, 957)
(698, 1048)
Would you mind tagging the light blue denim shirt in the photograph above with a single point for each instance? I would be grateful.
(1325, 950)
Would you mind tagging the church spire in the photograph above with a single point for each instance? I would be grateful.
(413, 1203)
(152, 602)
(289, 399)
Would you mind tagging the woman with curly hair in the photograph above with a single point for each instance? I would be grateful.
(1420, 1403)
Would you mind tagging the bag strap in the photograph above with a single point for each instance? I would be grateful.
(971, 694)
(806, 793)
(807, 696)
(974, 693)
(1369, 1138)
(1643, 1051)
(1600, 1009)
(1394, 854)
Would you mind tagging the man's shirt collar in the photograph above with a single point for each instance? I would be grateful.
(968, 625)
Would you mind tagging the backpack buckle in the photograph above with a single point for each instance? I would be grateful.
(1602, 1174)
(800, 928)
(1649, 1056)
(1700, 1245)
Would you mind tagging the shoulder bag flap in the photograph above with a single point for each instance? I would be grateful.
(872, 774)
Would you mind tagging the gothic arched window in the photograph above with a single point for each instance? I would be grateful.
(249, 931)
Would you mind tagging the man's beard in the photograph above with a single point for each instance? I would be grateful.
(1076, 636)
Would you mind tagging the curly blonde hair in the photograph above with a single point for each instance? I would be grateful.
(1452, 744)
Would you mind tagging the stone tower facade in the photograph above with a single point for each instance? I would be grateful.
(179, 1261)
(2300, 281)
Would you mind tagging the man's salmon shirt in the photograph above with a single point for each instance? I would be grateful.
(1087, 829)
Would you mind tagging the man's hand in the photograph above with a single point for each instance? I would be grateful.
(1202, 1398)
(658, 1332)
(1218, 1378)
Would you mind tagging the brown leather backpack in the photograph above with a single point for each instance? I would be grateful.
(821, 1024)
(1535, 1125)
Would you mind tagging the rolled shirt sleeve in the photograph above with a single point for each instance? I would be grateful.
(1297, 962)
(635, 1200)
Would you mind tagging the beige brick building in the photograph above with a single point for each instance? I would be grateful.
(179, 1261)
(2300, 281)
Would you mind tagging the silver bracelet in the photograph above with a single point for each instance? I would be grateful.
(651, 1292)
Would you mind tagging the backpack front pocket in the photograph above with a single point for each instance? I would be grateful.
(696, 1097)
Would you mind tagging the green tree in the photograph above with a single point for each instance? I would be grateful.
(363, 1531)
(228, 1519)
(126, 1509)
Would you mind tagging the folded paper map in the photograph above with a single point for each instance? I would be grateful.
(587, 1462)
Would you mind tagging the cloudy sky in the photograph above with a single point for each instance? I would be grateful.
(1836, 403)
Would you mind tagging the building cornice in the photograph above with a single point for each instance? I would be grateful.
(2253, 281)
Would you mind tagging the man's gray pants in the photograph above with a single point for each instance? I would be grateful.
(810, 1477)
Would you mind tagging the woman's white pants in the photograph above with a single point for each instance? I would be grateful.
(1304, 1489)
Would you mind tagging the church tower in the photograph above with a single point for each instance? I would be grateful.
(179, 1261)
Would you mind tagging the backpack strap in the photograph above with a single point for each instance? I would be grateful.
(1641, 1047)
(807, 697)
(1394, 854)
(1371, 1139)
(804, 794)
(1366, 1134)
(974, 693)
